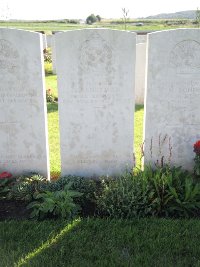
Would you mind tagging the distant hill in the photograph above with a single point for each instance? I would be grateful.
(189, 14)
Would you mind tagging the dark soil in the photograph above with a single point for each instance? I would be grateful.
(12, 209)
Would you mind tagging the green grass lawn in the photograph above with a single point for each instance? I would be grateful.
(149, 25)
(51, 83)
(100, 242)
(54, 139)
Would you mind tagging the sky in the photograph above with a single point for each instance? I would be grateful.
(80, 9)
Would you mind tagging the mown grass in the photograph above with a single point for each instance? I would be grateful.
(100, 242)
(138, 134)
(148, 25)
(51, 83)
(54, 139)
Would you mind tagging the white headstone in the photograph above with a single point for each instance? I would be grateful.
(141, 38)
(140, 70)
(44, 39)
(23, 128)
(95, 70)
(172, 97)
(48, 39)
(53, 54)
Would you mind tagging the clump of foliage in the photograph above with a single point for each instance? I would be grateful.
(47, 55)
(164, 191)
(174, 192)
(98, 18)
(197, 158)
(55, 204)
(48, 61)
(73, 21)
(50, 97)
(89, 188)
(25, 187)
(92, 19)
(124, 197)
(6, 183)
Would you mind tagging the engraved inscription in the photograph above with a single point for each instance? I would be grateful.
(9, 144)
(185, 57)
(8, 130)
(94, 160)
(16, 158)
(9, 95)
(183, 104)
(95, 71)
(8, 57)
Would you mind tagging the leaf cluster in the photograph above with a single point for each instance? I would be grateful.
(55, 204)
(6, 185)
(164, 191)
(25, 187)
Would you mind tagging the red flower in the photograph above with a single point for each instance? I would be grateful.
(4, 175)
(197, 148)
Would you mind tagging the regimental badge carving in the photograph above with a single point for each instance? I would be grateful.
(185, 57)
(96, 70)
(9, 57)
(95, 53)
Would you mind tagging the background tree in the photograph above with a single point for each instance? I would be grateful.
(91, 19)
(98, 18)
(125, 16)
(197, 17)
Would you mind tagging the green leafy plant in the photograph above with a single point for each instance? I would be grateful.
(197, 158)
(173, 191)
(87, 186)
(25, 187)
(6, 183)
(47, 55)
(164, 191)
(124, 197)
(56, 204)
(49, 96)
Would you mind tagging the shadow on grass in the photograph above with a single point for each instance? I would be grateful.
(36, 252)
(52, 107)
(106, 242)
(49, 73)
(138, 107)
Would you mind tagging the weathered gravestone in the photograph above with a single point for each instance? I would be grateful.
(44, 40)
(172, 114)
(141, 38)
(140, 70)
(96, 100)
(23, 131)
(53, 54)
(49, 40)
